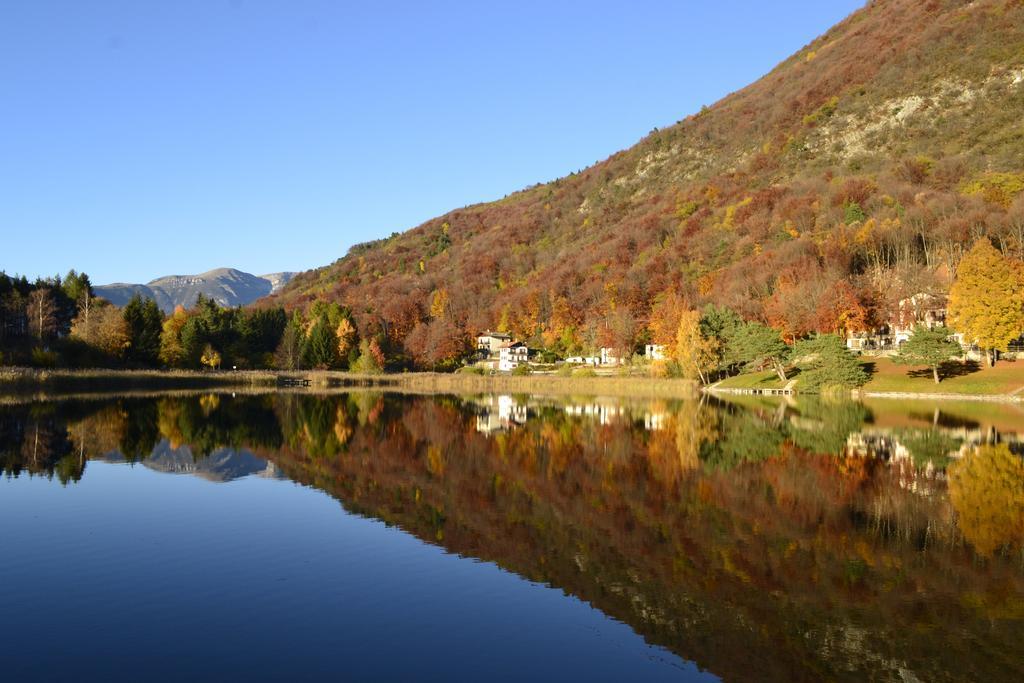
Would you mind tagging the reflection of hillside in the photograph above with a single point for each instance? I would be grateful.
(776, 540)
(795, 565)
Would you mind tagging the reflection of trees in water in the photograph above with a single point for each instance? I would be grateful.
(34, 440)
(770, 558)
(746, 539)
(987, 490)
(59, 438)
(824, 424)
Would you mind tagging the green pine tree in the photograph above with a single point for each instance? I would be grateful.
(931, 348)
(828, 364)
(321, 349)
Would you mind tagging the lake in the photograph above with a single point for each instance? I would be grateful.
(370, 536)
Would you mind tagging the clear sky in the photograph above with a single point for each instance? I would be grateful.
(140, 139)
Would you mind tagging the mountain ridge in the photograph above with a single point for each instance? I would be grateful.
(227, 286)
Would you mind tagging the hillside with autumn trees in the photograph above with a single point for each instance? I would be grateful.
(853, 175)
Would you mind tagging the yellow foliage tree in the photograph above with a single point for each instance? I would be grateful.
(103, 327)
(171, 350)
(986, 301)
(987, 492)
(346, 334)
(439, 304)
(210, 357)
(696, 354)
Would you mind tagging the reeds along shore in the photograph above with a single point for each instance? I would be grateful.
(27, 379)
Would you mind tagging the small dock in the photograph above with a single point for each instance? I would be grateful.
(287, 381)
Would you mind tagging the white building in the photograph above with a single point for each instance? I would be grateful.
(655, 352)
(511, 355)
(490, 343)
(608, 356)
(927, 310)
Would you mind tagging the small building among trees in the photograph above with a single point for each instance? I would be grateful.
(490, 343)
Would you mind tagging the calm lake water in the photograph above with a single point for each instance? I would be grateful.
(373, 536)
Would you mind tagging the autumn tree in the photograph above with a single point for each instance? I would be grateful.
(370, 360)
(211, 357)
(986, 301)
(102, 326)
(562, 330)
(439, 304)
(42, 313)
(618, 331)
(347, 337)
(696, 353)
(665, 316)
(928, 347)
(172, 351)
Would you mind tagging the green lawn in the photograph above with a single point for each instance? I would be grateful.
(886, 376)
(1004, 378)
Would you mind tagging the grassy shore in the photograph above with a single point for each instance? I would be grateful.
(1004, 382)
(1004, 379)
(21, 380)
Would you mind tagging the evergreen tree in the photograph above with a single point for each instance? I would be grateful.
(755, 344)
(193, 337)
(321, 349)
(145, 323)
(288, 355)
(723, 325)
(829, 364)
(928, 347)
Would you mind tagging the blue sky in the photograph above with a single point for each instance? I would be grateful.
(140, 139)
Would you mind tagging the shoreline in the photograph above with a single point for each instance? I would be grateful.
(861, 394)
(27, 381)
(16, 381)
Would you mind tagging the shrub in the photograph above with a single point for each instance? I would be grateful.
(43, 358)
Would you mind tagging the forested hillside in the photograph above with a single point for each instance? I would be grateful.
(854, 174)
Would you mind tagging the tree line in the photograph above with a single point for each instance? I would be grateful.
(60, 322)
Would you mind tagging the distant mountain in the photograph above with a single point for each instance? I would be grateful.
(227, 286)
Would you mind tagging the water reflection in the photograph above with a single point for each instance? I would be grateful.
(773, 540)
